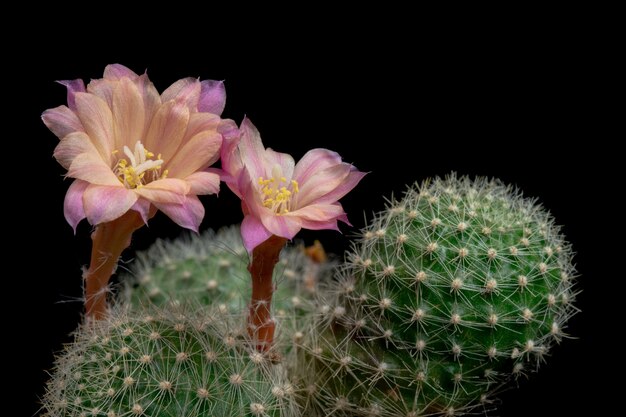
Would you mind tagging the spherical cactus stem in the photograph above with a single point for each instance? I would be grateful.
(109, 241)
(260, 323)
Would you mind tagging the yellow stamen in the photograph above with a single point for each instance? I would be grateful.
(275, 193)
(133, 174)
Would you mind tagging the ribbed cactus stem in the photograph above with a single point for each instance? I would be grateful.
(260, 323)
(109, 241)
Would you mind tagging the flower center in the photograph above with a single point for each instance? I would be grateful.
(277, 192)
(138, 168)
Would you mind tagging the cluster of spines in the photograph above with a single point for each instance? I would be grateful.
(451, 291)
(168, 362)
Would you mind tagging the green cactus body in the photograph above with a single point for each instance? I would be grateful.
(212, 269)
(167, 363)
(451, 291)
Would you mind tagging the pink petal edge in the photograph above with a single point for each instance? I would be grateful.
(212, 97)
(104, 203)
(73, 208)
(253, 233)
(73, 87)
(188, 215)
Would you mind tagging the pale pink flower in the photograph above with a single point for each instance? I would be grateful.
(280, 197)
(130, 148)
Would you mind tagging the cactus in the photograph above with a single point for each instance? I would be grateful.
(168, 363)
(450, 293)
(212, 269)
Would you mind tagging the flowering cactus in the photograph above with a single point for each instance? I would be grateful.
(279, 198)
(132, 151)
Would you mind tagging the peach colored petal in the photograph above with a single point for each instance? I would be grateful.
(73, 208)
(151, 99)
(118, 71)
(189, 214)
(128, 114)
(95, 116)
(203, 183)
(200, 122)
(61, 121)
(212, 97)
(167, 129)
(91, 168)
(71, 146)
(199, 152)
(313, 161)
(185, 91)
(168, 190)
(102, 88)
(104, 204)
(284, 160)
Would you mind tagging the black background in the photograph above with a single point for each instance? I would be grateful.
(513, 108)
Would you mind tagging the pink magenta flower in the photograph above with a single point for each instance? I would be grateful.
(130, 148)
(280, 197)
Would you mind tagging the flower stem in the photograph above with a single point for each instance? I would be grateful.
(260, 323)
(109, 240)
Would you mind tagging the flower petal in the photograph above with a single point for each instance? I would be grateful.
(102, 88)
(95, 116)
(167, 129)
(168, 190)
(314, 161)
(325, 225)
(73, 145)
(61, 121)
(73, 87)
(253, 233)
(320, 184)
(230, 155)
(185, 91)
(151, 99)
(201, 122)
(104, 204)
(318, 212)
(282, 226)
(252, 150)
(200, 152)
(128, 114)
(91, 168)
(117, 71)
(351, 181)
(203, 183)
(284, 160)
(212, 97)
(73, 208)
(142, 206)
(189, 214)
